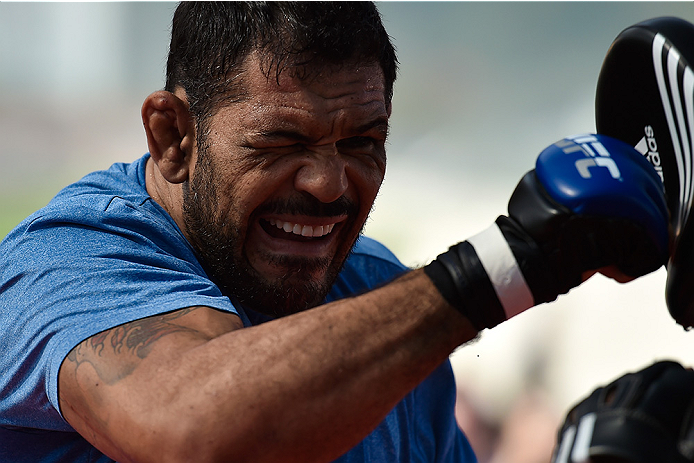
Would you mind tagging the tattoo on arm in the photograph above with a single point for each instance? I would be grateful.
(131, 342)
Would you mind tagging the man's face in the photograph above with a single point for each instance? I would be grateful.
(283, 183)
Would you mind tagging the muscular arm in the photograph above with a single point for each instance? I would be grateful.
(192, 386)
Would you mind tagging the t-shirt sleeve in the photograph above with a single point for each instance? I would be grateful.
(66, 278)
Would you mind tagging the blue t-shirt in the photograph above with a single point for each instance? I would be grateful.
(103, 253)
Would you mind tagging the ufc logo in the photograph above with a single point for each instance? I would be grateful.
(583, 166)
(596, 155)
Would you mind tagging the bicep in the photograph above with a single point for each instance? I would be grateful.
(110, 382)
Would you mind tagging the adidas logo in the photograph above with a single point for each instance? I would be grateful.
(648, 147)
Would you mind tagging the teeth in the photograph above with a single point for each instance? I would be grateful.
(303, 230)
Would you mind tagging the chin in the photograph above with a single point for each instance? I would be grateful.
(303, 284)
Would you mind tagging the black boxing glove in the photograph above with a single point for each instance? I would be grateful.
(642, 417)
(591, 202)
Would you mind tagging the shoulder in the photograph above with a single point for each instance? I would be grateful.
(124, 180)
(100, 254)
(88, 202)
(369, 265)
(371, 249)
(102, 230)
(109, 206)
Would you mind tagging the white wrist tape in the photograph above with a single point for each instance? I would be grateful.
(502, 269)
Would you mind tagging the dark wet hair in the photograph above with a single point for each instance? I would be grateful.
(210, 41)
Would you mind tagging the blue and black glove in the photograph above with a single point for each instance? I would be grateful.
(591, 202)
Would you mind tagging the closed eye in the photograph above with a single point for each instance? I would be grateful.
(364, 148)
(357, 143)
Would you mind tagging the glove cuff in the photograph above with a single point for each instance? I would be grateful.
(481, 277)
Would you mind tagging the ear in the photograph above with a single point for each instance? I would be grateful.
(170, 134)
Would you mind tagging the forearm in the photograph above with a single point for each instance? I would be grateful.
(302, 388)
(323, 379)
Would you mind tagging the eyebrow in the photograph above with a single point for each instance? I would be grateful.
(380, 123)
(281, 134)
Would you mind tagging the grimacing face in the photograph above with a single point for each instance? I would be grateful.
(283, 184)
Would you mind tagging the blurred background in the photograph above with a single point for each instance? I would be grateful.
(483, 88)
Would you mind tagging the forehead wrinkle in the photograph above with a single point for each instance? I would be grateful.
(310, 109)
(307, 99)
(323, 90)
(368, 75)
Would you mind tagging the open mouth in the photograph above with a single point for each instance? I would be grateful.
(295, 231)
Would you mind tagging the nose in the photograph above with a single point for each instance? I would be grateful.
(322, 175)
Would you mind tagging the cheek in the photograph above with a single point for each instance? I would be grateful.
(367, 183)
(249, 192)
(243, 188)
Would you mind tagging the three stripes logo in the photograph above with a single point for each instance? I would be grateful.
(676, 86)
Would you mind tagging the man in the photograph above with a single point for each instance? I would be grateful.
(214, 301)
